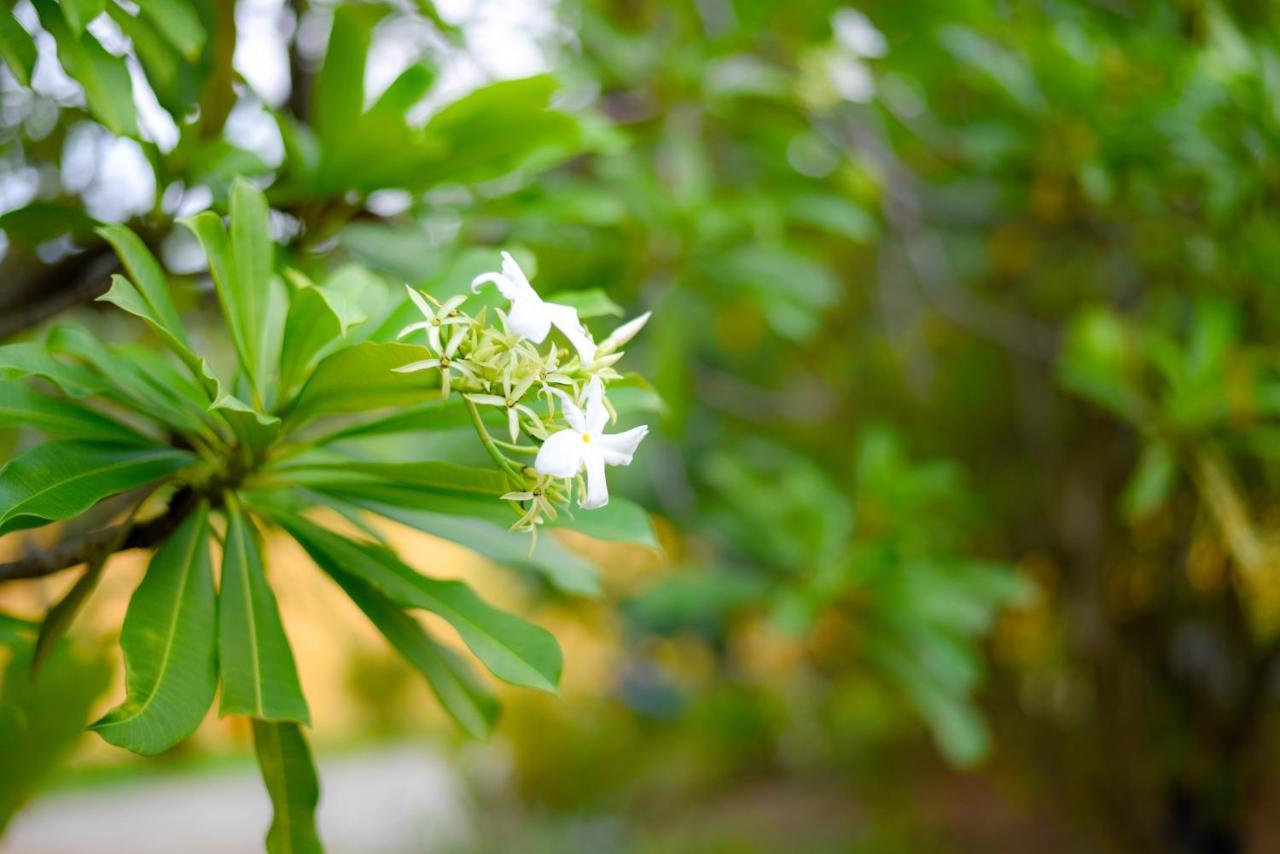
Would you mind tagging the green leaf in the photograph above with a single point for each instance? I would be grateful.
(567, 571)
(363, 377)
(140, 378)
(514, 650)
(78, 13)
(17, 48)
(59, 480)
(104, 76)
(1151, 482)
(591, 302)
(492, 131)
(259, 678)
(178, 22)
(254, 255)
(59, 618)
(312, 327)
(424, 486)
(620, 521)
(467, 700)
(170, 646)
(152, 284)
(339, 89)
(209, 231)
(20, 404)
(291, 781)
(257, 429)
(42, 221)
(31, 359)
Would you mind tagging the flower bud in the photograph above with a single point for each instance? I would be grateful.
(622, 334)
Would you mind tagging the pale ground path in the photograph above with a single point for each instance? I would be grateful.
(395, 800)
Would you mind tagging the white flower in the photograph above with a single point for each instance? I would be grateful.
(584, 445)
(445, 363)
(532, 318)
(444, 314)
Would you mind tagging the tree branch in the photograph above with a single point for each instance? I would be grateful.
(141, 535)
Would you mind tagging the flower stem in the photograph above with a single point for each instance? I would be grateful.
(488, 442)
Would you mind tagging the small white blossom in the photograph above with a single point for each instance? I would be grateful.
(443, 314)
(445, 362)
(585, 445)
(531, 317)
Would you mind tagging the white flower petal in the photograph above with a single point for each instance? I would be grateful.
(417, 366)
(618, 448)
(561, 455)
(414, 327)
(596, 415)
(597, 487)
(420, 302)
(530, 319)
(506, 287)
(572, 413)
(512, 271)
(566, 320)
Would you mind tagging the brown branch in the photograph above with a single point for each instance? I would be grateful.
(141, 535)
(47, 290)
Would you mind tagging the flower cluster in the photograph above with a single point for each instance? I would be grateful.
(555, 397)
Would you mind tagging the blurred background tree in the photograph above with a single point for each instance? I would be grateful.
(957, 307)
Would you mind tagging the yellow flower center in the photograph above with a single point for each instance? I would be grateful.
(586, 438)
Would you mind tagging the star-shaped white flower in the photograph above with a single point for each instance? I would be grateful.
(437, 317)
(446, 363)
(585, 445)
(532, 318)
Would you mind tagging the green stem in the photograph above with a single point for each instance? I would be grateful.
(518, 449)
(488, 442)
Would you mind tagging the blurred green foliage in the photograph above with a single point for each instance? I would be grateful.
(957, 306)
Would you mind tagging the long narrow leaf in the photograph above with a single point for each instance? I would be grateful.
(170, 646)
(21, 404)
(514, 650)
(58, 480)
(467, 700)
(290, 776)
(259, 678)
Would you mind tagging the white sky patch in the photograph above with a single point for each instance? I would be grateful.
(263, 28)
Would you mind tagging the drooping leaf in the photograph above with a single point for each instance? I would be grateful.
(170, 646)
(620, 521)
(104, 76)
(178, 22)
(290, 777)
(17, 48)
(567, 571)
(59, 618)
(31, 359)
(467, 700)
(139, 378)
(361, 378)
(78, 13)
(513, 650)
(41, 221)
(150, 280)
(21, 404)
(259, 678)
(62, 479)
